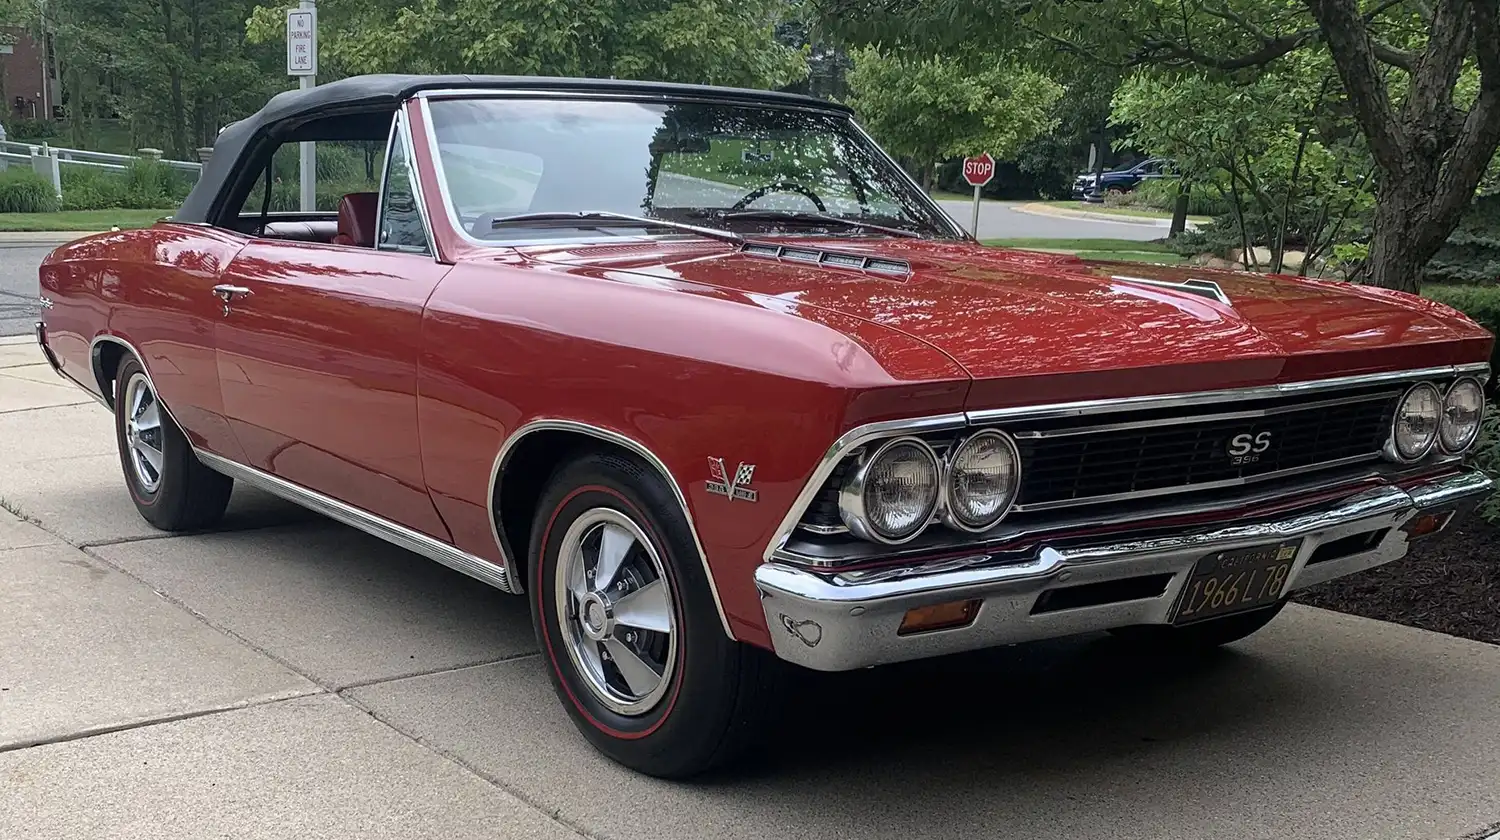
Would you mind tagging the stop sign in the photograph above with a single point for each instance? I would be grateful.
(979, 170)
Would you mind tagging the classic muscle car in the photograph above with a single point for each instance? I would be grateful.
(704, 376)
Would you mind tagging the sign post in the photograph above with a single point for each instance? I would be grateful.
(302, 61)
(978, 171)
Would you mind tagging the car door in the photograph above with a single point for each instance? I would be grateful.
(317, 357)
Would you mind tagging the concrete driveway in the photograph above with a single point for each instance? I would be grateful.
(1006, 220)
(289, 677)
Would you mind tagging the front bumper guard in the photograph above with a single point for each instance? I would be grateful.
(831, 621)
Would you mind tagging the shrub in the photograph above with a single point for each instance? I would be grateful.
(24, 191)
(32, 129)
(1481, 303)
(1487, 457)
(1472, 253)
(1161, 194)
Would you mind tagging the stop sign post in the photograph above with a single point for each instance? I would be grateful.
(978, 171)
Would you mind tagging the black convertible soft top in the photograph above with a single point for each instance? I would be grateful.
(298, 112)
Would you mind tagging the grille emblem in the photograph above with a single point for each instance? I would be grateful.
(1247, 448)
(738, 488)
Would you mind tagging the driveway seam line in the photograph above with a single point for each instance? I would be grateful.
(96, 731)
(447, 669)
(554, 814)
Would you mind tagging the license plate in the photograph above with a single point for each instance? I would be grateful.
(1234, 581)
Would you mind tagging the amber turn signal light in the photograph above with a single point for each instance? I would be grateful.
(939, 617)
(1427, 523)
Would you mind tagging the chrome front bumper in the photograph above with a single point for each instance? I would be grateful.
(832, 621)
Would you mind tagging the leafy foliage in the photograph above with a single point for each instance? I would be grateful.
(175, 70)
(1487, 457)
(1481, 303)
(1289, 169)
(24, 191)
(1472, 253)
(730, 42)
(145, 185)
(928, 109)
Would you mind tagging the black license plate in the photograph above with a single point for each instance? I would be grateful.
(1234, 581)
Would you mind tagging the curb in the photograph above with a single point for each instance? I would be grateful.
(1037, 209)
(31, 239)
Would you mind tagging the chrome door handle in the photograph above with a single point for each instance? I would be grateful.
(226, 292)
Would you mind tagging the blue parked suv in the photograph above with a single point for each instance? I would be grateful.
(1119, 180)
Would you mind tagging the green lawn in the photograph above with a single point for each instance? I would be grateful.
(89, 220)
(1097, 249)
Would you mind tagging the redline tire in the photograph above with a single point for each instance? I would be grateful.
(717, 696)
(170, 487)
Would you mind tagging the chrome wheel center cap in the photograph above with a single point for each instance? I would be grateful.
(594, 615)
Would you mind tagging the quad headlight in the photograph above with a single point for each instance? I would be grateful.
(983, 475)
(1414, 430)
(892, 494)
(1463, 413)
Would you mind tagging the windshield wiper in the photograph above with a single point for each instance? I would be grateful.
(803, 216)
(597, 216)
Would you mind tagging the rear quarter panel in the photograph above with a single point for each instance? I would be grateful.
(152, 289)
(687, 371)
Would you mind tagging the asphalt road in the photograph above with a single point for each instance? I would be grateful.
(1001, 220)
(18, 287)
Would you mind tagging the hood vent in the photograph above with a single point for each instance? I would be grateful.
(1194, 286)
(835, 259)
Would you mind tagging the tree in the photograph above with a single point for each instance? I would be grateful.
(929, 109)
(729, 42)
(175, 70)
(1281, 150)
(1400, 63)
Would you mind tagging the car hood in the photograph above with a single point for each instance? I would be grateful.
(1040, 325)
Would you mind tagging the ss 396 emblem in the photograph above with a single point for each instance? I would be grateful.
(1247, 448)
(737, 488)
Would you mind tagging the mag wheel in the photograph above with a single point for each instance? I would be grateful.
(171, 489)
(628, 626)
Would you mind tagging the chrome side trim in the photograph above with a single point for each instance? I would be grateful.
(850, 440)
(1075, 409)
(400, 535)
(1206, 485)
(109, 400)
(610, 436)
(56, 364)
(1202, 418)
(415, 179)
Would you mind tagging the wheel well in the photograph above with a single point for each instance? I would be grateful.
(519, 487)
(106, 361)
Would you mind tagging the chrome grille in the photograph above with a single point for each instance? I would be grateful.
(1078, 466)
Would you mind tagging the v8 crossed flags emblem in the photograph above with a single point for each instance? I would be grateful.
(737, 488)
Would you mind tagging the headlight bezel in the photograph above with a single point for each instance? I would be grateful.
(1442, 443)
(852, 509)
(1392, 450)
(946, 507)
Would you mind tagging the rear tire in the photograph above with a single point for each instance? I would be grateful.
(1203, 636)
(651, 681)
(169, 485)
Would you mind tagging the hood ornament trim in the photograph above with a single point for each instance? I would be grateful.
(1193, 286)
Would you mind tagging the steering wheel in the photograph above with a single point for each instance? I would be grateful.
(781, 186)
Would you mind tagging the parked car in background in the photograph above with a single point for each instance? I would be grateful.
(1120, 180)
(707, 379)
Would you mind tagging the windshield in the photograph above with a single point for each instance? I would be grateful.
(744, 168)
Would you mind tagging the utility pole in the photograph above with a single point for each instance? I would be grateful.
(302, 62)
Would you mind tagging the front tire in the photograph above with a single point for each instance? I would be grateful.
(627, 623)
(169, 485)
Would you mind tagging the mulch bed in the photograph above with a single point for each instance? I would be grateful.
(1450, 585)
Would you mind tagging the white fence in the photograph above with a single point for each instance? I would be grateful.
(48, 161)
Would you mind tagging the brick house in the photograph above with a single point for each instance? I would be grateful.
(29, 84)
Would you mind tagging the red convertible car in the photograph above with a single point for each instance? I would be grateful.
(702, 374)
